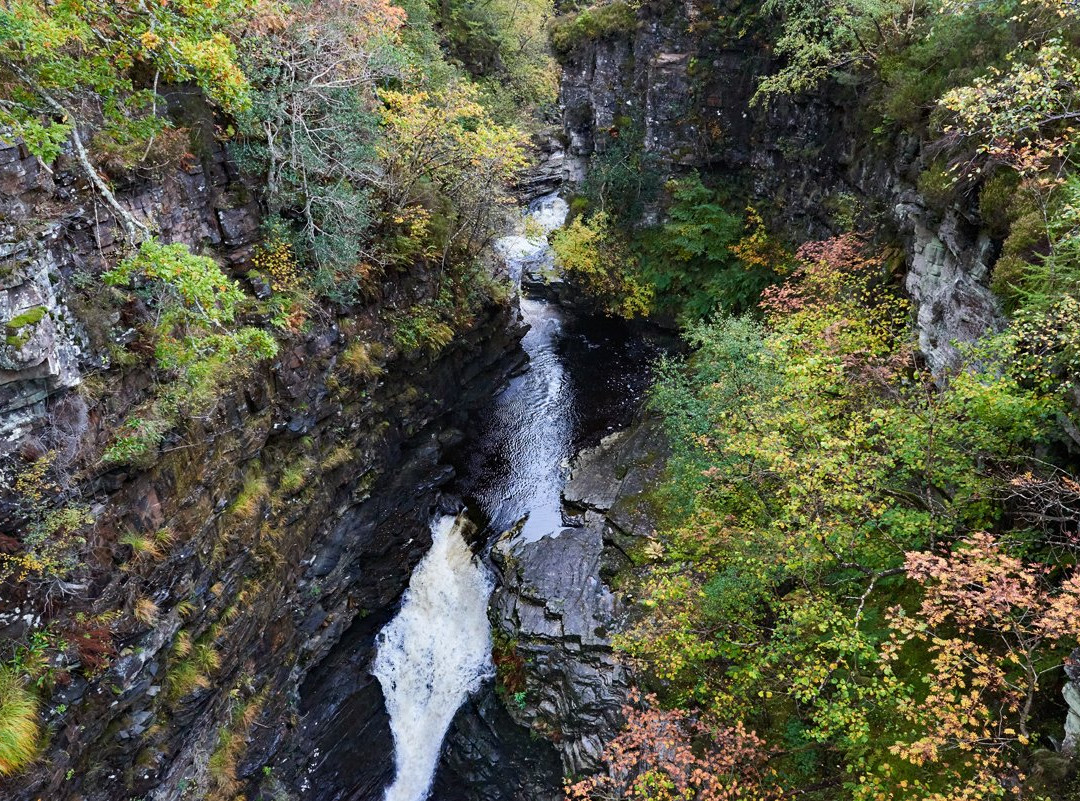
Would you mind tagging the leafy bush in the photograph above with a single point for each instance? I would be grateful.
(503, 44)
(595, 257)
(997, 202)
(691, 260)
(623, 177)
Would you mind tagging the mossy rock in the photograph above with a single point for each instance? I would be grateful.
(937, 186)
(592, 24)
(28, 318)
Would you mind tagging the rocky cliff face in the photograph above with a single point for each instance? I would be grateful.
(286, 521)
(687, 82)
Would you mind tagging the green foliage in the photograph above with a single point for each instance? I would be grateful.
(937, 185)
(811, 460)
(609, 19)
(503, 44)
(622, 176)
(945, 51)
(689, 258)
(57, 56)
(594, 255)
(422, 327)
(196, 306)
(1038, 92)
(313, 126)
(823, 38)
(996, 202)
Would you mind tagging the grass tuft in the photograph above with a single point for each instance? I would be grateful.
(19, 727)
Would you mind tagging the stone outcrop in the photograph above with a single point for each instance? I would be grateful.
(560, 615)
(554, 609)
(1071, 691)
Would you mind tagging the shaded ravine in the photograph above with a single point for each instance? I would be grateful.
(586, 376)
(434, 653)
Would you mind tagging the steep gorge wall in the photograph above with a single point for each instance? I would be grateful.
(295, 511)
(686, 76)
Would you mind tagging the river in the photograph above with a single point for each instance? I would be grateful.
(586, 377)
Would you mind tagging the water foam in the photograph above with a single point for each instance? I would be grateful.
(434, 653)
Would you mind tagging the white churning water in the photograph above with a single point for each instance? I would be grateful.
(434, 653)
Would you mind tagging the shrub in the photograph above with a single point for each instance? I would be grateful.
(421, 328)
(594, 256)
(937, 185)
(19, 727)
(692, 259)
(996, 202)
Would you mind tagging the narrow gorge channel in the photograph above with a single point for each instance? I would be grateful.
(529, 400)
(585, 377)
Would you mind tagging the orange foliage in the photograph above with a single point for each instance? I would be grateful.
(666, 755)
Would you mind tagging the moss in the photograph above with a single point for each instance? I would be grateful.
(19, 329)
(591, 24)
(29, 317)
(937, 186)
(997, 202)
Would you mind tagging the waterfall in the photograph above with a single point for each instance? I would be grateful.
(434, 653)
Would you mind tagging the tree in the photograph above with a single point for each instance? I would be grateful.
(594, 255)
(69, 65)
(314, 124)
(447, 142)
(821, 39)
(811, 456)
(989, 621)
(690, 258)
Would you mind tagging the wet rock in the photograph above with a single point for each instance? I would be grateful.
(555, 609)
(613, 477)
(490, 757)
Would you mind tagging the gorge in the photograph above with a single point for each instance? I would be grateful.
(484, 401)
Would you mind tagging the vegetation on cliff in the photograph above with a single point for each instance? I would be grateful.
(866, 584)
(374, 141)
